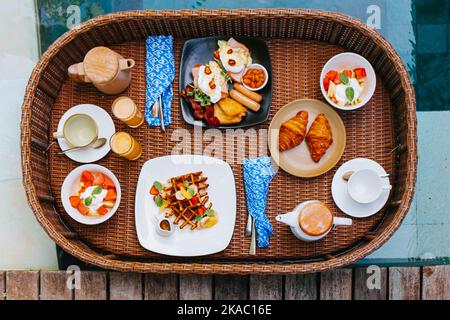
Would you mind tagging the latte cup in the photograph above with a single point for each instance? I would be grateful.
(79, 130)
(365, 186)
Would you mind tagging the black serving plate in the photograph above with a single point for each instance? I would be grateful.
(200, 51)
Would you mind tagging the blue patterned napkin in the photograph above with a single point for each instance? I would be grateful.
(257, 175)
(159, 72)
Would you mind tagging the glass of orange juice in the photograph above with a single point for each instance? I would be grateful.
(127, 111)
(124, 145)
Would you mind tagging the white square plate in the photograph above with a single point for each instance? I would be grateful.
(186, 242)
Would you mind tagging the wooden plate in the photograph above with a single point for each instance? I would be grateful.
(297, 161)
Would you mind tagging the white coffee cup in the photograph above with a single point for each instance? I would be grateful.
(365, 186)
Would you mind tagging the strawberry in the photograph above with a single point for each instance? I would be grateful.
(102, 210)
(74, 201)
(99, 179)
(108, 183)
(83, 209)
(111, 195)
(154, 191)
(86, 176)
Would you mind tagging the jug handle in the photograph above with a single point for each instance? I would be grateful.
(76, 73)
(342, 221)
(126, 64)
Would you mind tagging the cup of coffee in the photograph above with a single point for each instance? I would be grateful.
(312, 220)
(365, 186)
(79, 130)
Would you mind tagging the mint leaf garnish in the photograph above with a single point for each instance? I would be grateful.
(350, 93)
(344, 79)
(158, 185)
(97, 191)
(88, 201)
(159, 201)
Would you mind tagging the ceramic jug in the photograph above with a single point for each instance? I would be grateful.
(107, 70)
(292, 219)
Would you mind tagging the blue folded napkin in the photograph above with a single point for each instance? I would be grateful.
(258, 173)
(159, 72)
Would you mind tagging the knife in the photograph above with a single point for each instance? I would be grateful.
(155, 109)
(248, 227)
(252, 250)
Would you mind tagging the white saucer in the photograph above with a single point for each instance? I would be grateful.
(106, 129)
(343, 199)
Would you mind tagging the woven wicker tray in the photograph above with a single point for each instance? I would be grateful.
(300, 42)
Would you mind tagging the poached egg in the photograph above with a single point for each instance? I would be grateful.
(233, 60)
(210, 81)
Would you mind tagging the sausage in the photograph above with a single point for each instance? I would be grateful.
(244, 100)
(251, 94)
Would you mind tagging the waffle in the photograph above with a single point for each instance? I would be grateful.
(186, 211)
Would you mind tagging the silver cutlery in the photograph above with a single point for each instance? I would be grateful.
(248, 227)
(158, 112)
(155, 109)
(253, 240)
(161, 115)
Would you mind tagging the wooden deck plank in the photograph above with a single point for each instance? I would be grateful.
(266, 287)
(22, 285)
(370, 284)
(54, 286)
(125, 286)
(193, 287)
(231, 288)
(2, 285)
(404, 283)
(436, 283)
(301, 287)
(92, 286)
(336, 284)
(160, 287)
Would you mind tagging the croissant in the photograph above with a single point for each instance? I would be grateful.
(293, 131)
(319, 137)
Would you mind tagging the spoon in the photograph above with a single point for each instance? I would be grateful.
(346, 176)
(100, 142)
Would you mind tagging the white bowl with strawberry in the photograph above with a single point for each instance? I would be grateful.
(348, 81)
(91, 194)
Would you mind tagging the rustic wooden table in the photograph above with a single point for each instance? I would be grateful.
(397, 283)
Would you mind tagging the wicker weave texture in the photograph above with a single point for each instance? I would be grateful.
(296, 76)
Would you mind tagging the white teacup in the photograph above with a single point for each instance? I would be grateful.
(365, 186)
